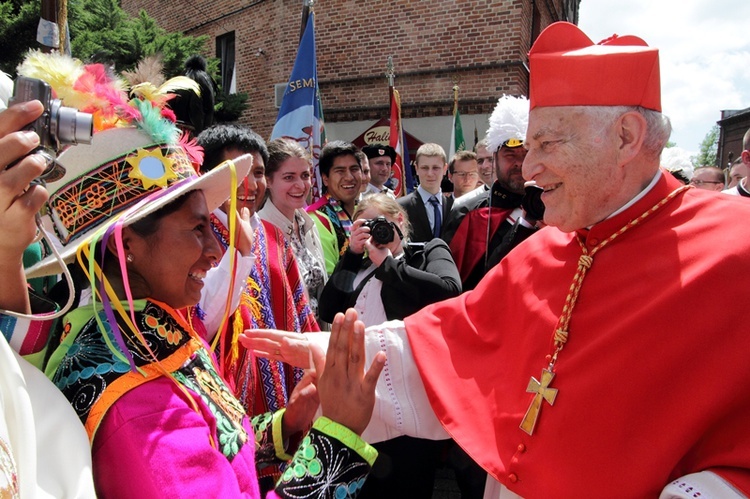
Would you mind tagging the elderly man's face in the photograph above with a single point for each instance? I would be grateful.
(574, 160)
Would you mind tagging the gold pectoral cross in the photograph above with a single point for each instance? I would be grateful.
(543, 391)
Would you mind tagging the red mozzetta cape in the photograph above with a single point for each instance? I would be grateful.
(652, 382)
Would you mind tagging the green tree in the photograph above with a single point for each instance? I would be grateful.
(709, 147)
(18, 22)
(99, 30)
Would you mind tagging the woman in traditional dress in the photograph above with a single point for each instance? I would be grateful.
(160, 418)
(288, 176)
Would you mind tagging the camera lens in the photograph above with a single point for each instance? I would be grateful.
(381, 230)
(71, 126)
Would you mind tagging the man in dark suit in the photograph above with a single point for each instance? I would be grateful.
(426, 207)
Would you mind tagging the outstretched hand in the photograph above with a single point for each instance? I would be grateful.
(292, 348)
(347, 392)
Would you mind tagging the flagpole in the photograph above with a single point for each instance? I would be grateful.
(395, 139)
(455, 99)
(306, 4)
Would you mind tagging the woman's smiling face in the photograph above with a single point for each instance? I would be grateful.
(171, 263)
(289, 185)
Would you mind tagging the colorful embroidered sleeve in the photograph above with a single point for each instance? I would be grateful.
(269, 441)
(332, 461)
(29, 337)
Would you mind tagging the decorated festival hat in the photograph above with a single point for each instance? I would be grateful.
(508, 123)
(136, 163)
(568, 69)
(378, 150)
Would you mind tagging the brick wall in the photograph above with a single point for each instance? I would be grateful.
(480, 45)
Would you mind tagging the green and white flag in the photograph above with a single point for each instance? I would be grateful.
(457, 133)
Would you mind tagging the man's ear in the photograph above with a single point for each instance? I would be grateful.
(631, 132)
(746, 157)
(324, 177)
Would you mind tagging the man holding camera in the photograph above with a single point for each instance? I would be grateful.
(482, 229)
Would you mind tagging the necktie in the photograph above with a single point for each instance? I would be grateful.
(438, 216)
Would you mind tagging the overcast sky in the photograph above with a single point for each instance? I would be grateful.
(704, 49)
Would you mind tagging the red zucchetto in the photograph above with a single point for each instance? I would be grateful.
(568, 69)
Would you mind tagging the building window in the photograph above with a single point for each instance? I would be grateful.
(225, 53)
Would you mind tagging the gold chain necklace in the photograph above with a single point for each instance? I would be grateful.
(541, 388)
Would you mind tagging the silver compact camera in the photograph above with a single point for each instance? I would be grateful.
(58, 126)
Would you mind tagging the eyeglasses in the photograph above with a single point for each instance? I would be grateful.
(463, 175)
(698, 182)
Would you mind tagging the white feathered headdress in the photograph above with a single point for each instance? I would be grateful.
(677, 160)
(509, 120)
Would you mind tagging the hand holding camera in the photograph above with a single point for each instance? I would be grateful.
(19, 201)
(360, 235)
(56, 127)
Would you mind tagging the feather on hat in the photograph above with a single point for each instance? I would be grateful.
(509, 120)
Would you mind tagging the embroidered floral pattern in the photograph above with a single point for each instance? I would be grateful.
(87, 366)
(172, 335)
(200, 376)
(323, 467)
(265, 452)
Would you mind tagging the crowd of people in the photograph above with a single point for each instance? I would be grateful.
(231, 337)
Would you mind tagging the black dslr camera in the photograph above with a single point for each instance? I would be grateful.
(381, 230)
(57, 126)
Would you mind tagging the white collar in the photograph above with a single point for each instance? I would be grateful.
(638, 196)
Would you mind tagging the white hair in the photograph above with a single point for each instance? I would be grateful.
(658, 126)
